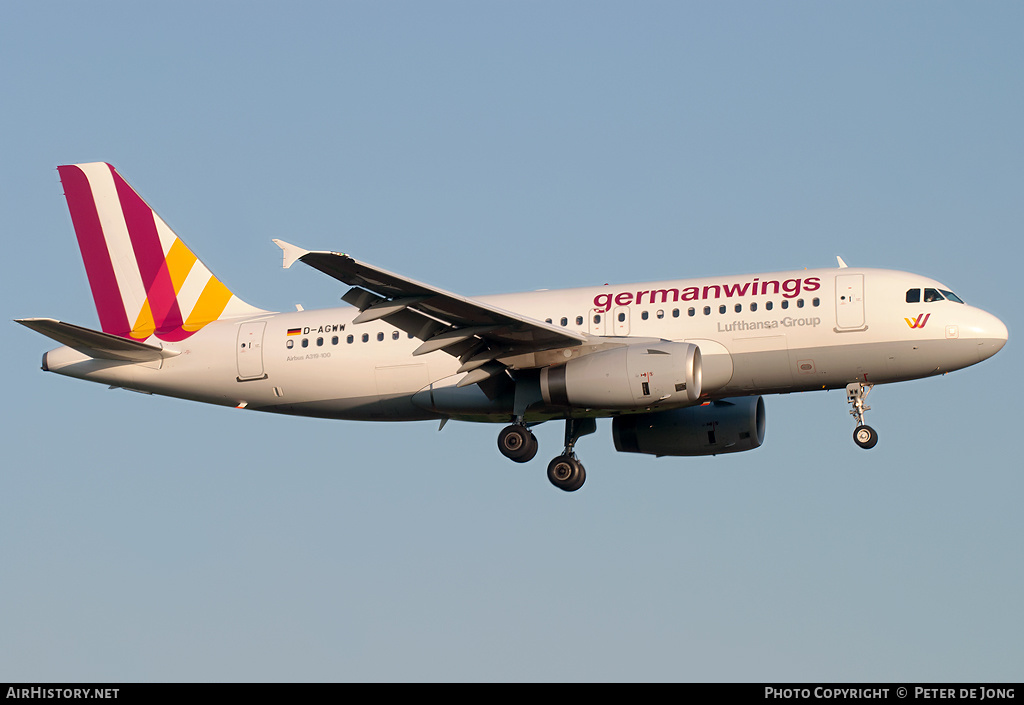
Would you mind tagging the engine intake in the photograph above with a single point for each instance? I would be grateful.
(631, 377)
(724, 426)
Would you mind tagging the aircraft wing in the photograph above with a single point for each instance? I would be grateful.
(475, 332)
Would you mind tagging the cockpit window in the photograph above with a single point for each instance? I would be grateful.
(930, 295)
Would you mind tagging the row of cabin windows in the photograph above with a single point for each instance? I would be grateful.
(645, 315)
(722, 308)
(335, 340)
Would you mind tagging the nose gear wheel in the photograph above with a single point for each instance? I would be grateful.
(864, 436)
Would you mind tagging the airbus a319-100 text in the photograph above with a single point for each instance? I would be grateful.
(680, 366)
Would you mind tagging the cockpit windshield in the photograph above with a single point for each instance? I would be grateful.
(930, 295)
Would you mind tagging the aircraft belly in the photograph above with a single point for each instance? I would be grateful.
(395, 408)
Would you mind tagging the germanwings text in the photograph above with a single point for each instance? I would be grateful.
(790, 288)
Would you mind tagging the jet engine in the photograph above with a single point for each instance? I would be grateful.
(723, 426)
(630, 377)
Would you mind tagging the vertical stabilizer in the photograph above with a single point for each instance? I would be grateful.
(144, 279)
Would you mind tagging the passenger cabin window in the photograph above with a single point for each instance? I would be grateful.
(579, 320)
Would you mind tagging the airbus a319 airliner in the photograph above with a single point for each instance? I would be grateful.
(680, 366)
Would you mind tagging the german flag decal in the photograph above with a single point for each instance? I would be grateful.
(294, 331)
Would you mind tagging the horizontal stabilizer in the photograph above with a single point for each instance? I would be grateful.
(102, 346)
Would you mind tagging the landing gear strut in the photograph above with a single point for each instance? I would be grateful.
(863, 435)
(566, 472)
(516, 442)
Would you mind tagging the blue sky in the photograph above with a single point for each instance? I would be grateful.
(493, 147)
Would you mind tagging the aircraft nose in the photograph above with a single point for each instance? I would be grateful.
(991, 334)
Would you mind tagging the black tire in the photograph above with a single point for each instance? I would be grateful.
(531, 452)
(581, 477)
(566, 473)
(865, 437)
(517, 443)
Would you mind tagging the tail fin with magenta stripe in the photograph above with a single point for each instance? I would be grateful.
(145, 281)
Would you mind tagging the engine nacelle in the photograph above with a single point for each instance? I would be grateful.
(724, 426)
(630, 377)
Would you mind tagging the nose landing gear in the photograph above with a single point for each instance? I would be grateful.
(864, 436)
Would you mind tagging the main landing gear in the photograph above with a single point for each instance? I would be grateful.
(566, 472)
(863, 435)
(517, 442)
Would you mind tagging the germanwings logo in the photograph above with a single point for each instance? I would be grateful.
(918, 322)
(144, 279)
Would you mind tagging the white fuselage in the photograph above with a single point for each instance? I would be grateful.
(767, 333)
